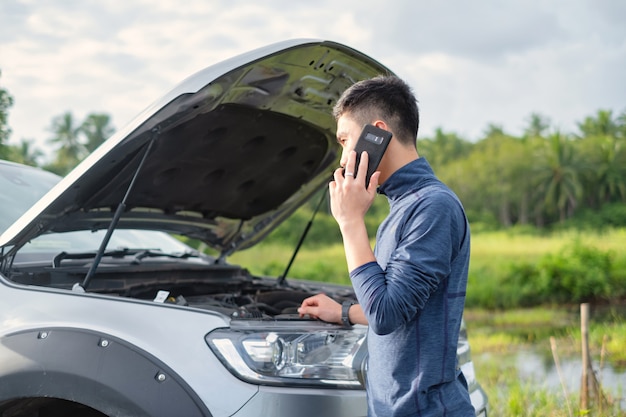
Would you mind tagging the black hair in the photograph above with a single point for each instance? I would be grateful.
(384, 97)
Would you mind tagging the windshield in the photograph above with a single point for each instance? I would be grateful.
(22, 186)
(87, 241)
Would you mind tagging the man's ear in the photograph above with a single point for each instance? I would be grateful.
(380, 124)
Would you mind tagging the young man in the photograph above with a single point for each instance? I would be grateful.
(411, 290)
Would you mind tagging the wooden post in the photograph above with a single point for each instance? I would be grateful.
(584, 333)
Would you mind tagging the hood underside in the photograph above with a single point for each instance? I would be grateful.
(223, 157)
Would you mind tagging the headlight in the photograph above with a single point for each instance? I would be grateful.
(329, 357)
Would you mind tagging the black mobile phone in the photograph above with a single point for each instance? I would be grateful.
(374, 140)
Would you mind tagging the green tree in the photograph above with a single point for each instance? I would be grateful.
(611, 170)
(621, 121)
(557, 176)
(494, 130)
(6, 101)
(69, 148)
(603, 124)
(603, 142)
(25, 153)
(96, 128)
(443, 148)
(538, 126)
(502, 161)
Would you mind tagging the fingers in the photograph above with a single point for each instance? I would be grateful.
(309, 305)
(337, 176)
(350, 172)
(373, 182)
(321, 307)
(363, 162)
(311, 301)
(311, 311)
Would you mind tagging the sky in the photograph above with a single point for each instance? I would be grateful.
(470, 63)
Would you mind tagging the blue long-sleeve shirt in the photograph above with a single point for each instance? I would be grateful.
(413, 298)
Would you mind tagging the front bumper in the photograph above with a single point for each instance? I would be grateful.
(271, 401)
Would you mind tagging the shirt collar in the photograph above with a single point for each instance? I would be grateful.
(413, 175)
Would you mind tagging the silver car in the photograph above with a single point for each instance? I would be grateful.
(104, 313)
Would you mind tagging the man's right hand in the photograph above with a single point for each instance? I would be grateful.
(324, 308)
(321, 307)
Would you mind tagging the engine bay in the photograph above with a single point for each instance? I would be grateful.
(227, 289)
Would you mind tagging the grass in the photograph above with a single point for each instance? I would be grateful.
(325, 264)
(497, 330)
(492, 255)
(493, 249)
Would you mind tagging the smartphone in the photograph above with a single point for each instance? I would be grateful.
(374, 140)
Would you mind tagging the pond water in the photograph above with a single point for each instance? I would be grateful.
(539, 367)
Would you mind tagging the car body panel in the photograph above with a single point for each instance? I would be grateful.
(93, 368)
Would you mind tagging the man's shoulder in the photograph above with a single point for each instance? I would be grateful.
(434, 191)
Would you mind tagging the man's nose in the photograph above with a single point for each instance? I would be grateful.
(344, 158)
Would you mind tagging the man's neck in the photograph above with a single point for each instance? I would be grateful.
(396, 156)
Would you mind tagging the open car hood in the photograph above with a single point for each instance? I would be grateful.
(224, 157)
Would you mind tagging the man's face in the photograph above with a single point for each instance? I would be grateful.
(348, 132)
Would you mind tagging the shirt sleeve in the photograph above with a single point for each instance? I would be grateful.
(418, 265)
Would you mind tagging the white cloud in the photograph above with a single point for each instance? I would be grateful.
(470, 63)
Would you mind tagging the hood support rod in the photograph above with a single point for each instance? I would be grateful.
(116, 218)
(283, 277)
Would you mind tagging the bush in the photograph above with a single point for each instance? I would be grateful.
(525, 286)
(577, 273)
(323, 231)
(609, 216)
(484, 290)
(614, 215)
(482, 221)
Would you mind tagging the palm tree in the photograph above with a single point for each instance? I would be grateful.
(607, 180)
(538, 125)
(557, 176)
(621, 122)
(604, 144)
(66, 137)
(97, 128)
(24, 153)
(493, 130)
(602, 125)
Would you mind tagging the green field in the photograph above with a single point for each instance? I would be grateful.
(492, 257)
(493, 250)
(509, 245)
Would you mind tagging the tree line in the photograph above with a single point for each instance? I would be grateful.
(71, 140)
(542, 178)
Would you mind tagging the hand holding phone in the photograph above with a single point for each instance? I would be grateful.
(374, 141)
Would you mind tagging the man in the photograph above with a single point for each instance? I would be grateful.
(411, 290)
